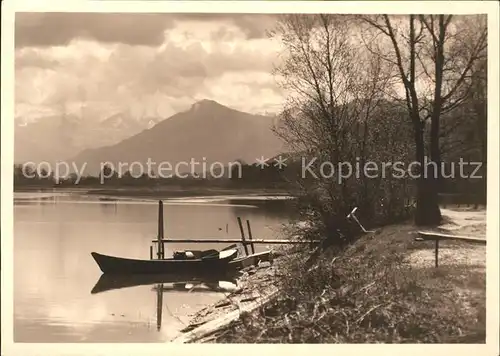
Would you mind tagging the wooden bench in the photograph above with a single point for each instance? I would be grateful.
(436, 236)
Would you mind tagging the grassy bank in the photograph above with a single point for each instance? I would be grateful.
(383, 289)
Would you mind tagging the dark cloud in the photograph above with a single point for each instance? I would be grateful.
(135, 72)
(181, 71)
(256, 29)
(253, 25)
(56, 29)
(187, 68)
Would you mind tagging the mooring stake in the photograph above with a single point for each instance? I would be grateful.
(161, 246)
(243, 241)
(250, 236)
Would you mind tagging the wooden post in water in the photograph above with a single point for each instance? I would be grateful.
(243, 241)
(250, 236)
(159, 305)
(161, 246)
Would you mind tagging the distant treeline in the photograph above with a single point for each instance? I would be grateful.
(249, 175)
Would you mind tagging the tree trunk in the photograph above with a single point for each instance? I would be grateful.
(437, 106)
(427, 212)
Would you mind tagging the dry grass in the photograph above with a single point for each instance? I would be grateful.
(378, 291)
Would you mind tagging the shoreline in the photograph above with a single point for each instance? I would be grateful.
(256, 287)
(161, 193)
(455, 293)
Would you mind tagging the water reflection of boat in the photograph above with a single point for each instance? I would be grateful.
(159, 306)
(160, 289)
(199, 286)
(109, 282)
(166, 283)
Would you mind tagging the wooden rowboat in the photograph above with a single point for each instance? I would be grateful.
(212, 263)
(254, 259)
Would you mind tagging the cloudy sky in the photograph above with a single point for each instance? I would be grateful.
(145, 64)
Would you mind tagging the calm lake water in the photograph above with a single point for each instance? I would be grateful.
(54, 272)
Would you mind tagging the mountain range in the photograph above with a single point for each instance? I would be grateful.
(60, 137)
(206, 132)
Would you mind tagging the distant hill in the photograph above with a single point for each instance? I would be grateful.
(208, 132)
(60, 137)
(48, 138)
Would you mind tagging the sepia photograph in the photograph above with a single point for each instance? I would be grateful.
(262, 176)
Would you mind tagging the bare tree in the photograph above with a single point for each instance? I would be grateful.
(334, 98)
(434, 56)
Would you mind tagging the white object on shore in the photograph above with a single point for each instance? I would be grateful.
(226, 253)
(351, 215)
